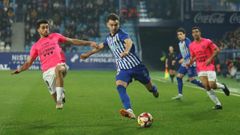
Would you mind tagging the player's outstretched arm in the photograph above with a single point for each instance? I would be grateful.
(78, 42)
(25, 66)
(93, 51)
(128, 46)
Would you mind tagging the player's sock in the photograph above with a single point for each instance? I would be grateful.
(220, 86)
(213, 97)
(172, 78)
(180, 85)
(198, 83)
(59, 92)
(124, 97)
(154, 89)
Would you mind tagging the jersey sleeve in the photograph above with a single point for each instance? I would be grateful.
(61, 38)
(211, 45)
(33, 52)
(123, 35)
(187, 42)
(105, 43)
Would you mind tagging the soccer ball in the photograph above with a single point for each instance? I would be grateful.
(145, 119)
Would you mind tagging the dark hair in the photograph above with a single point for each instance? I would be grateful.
(113, 17)
(181, 30)
(41, 21)
(196, 28)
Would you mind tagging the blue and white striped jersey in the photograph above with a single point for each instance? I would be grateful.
(116, 44)
(184, 49)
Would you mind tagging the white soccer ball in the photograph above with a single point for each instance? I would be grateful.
(145, 119)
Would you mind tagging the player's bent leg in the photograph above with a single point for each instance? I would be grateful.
(204, 81)
(193, 80)
(127, 111)
(152, 88)
(49, 79)
(215, 85)
(211, 93)
(60, 70)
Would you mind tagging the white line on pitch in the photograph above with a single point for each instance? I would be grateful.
(164, 81)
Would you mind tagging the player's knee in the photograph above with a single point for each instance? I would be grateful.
(60, 69)
(179, 76)
(121, 83)
(213, 86)
(191, 79)
(207, 87)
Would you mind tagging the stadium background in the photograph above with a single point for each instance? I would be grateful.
(151, 24)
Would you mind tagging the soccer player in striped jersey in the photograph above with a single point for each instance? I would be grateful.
(129, 66)
(183, 44)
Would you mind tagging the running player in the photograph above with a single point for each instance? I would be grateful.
(128, 64)
(52, 59)
(183, 44)
(203, 52)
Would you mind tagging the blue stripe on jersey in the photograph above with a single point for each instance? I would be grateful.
(116, 45)
(184, 49)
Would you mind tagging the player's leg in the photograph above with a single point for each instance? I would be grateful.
(60, 72)
(172, 74)
(205, 81)
(191, 74)
(49, 79)
(181, 73)
(152, 88)
(123, 78)
(216, 85)
(141, 74)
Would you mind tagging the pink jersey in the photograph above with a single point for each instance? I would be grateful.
(202, 50)
(49, 51)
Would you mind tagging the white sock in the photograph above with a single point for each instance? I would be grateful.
(220, 86)
(59, 92)
(213, 97)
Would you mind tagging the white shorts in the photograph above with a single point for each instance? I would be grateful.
(49, 78)
(211, 75)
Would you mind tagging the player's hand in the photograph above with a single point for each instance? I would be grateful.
(94, 45)
(188, 65)
(84, 56)
(123, 54)
(173, 62)
(208, 61)
(181, 61)
(15, 72)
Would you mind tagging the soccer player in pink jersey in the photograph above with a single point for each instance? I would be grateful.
(52, 59)
(203, 51)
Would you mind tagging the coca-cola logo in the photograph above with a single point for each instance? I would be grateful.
(234, 18)
(214, 18)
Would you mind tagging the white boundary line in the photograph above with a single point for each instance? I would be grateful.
(233, 90)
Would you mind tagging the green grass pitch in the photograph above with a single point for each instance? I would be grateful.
(93, 104)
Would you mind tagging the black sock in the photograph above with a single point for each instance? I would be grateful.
(172, 78)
